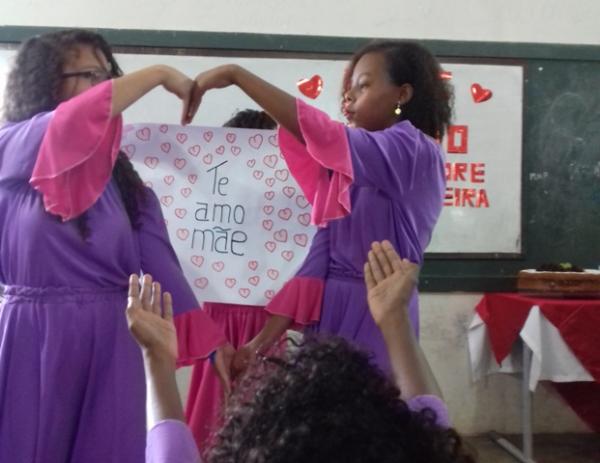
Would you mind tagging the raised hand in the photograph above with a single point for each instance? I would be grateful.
(390, 282)
(219, 77)
(180, 85)
(150, 318)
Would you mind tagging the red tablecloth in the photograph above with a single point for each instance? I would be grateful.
(577, 320)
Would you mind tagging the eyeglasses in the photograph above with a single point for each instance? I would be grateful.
(95, 77)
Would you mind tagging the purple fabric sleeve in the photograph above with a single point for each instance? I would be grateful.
(171, 441)
(392, 160)
(434, 403)
(159, 258)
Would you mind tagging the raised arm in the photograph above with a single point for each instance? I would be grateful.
(390, 282)
(280, 105)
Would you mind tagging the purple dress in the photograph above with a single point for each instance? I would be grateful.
(364, 187)
(172, 441)
(71, 376)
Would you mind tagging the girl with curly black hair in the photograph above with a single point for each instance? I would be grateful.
(322, 402)
(75, 221)
(381, 176)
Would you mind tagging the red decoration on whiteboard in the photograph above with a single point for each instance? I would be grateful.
(458, 138)
(480, 94)
(446, 75)
(311, 87)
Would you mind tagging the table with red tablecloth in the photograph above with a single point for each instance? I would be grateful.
(563, 335)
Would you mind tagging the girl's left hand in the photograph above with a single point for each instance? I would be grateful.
(219, 77)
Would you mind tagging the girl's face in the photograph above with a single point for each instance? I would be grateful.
(84, 67)
(371, 99)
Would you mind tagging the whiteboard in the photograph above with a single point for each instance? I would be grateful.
(482, 211)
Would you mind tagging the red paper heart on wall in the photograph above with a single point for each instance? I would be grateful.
(311, 87)
(480, 94)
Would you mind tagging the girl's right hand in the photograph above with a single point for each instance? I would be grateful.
(180, 85)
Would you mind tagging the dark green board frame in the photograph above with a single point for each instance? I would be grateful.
(561, 139)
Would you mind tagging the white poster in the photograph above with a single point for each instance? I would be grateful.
(236, 218)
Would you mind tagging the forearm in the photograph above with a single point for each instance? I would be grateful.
(131, 87)
(274, 328)
(162, 393)
(280, 105)
(410, 368)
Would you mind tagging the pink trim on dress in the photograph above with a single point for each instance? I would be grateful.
(78, 152)
(300, 299)
(194, 341)
(325, 149)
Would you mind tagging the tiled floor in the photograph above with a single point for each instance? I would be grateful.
(548, 448)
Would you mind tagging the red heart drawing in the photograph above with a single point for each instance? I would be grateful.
(163, 128)
(185, 192)
(197, 260)
(201, 282)
(192, 178)
(281, 236)
(235, 150)
(207, 136)
(287, 255)
(230, 137)
(129, 150)
(271, 160)
(267, 224)
(269, 195)
(253, 265)
(250, 163)
(244, 292)
(166, 200)
(304, 219)
(311, 87)
(143, 134)
(273, 274)
(181, 137)
(273, 141)
(282, 174)
(180, 163)
(289, 191)
(207, 159)
(255, 141)
(269, 294)
(258, 174)
(254, 281)
(270, 246)
(230, 282)
(218, 266)
(302, 202)
(194, 150)
(270, 182)
(268, 209)
(301, 239)
(183, 234)
(180, 213)
(165, 147)
(220, 150)
(169, 179)
(151, 161)
(285, 214)
(480, 94)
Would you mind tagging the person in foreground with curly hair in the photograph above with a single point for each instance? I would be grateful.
(321, 402)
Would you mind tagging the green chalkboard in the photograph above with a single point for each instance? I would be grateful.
(561, 141)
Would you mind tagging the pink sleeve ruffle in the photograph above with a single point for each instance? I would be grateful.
(322, 166)
(78, 152)
(300, 299)
(197, 336)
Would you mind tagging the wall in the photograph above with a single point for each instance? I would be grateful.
(491, 404)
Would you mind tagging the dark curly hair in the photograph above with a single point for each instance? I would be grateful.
(251, 119)
(430, 108)
(33, 87)
(326, 402)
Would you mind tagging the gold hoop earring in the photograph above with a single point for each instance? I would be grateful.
(398, 109)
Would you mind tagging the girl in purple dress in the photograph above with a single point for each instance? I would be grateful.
(380, 177)
(75, 222)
